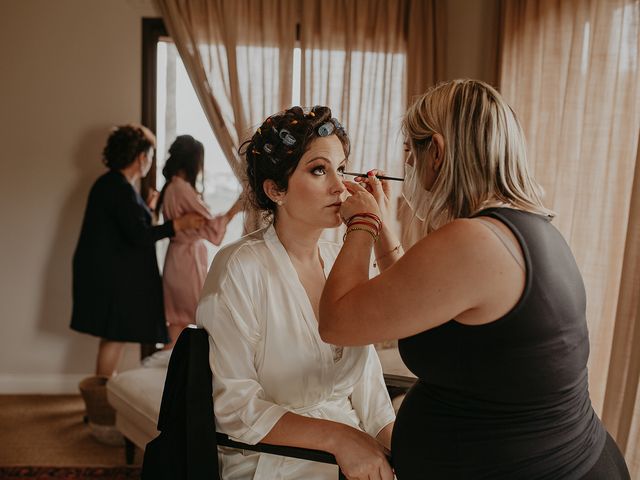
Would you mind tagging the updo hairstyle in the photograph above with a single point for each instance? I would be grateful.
(125, 143)
(274, 151)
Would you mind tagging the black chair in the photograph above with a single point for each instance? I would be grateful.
(186, 448)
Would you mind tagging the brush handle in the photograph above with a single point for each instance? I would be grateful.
(381, 177)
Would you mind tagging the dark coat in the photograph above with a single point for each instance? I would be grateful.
(117, 289)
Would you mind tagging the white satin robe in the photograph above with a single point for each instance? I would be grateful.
(267, 358)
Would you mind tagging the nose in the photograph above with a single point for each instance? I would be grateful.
(409, 160)
(337, 187)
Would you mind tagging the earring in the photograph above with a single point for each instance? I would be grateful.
(279, 202)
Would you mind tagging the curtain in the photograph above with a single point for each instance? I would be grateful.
(425, 67)
(238, 55)
(621, 412)
(365, 59)
(353, 57)
(571, 71)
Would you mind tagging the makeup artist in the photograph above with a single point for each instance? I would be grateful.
(489, 307)
(117, 290)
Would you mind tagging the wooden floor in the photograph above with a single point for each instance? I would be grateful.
(49, 430)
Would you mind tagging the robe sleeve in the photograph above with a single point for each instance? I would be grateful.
(241, 407)
(370, 397)
(134, 222)
(214, 228)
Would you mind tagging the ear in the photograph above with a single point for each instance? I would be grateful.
(272, 191)
(437, 150)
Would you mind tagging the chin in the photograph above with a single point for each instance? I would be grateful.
(337, 221)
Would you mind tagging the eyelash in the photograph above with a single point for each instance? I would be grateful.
(315, 169)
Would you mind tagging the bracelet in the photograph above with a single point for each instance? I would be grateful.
(352, 229)
(372, 216)
(367, 223)
(394, 249)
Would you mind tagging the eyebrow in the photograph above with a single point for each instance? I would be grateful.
(344, 160)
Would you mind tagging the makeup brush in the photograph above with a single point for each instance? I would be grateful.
(381, 177)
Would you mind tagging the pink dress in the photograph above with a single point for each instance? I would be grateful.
(185, 266)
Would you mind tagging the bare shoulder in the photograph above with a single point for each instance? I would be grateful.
(459, 240)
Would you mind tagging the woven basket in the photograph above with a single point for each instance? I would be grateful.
(94, 393)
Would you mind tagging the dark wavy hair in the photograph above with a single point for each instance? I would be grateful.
(274, 151)
(186, 154)
(125, 143)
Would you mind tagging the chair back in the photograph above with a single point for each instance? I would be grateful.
(186, 447)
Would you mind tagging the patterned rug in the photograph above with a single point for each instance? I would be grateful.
(70, 473)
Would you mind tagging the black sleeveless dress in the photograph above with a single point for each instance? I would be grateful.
(509, 399)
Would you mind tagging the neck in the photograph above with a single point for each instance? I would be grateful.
(131, 172)
(299, 240)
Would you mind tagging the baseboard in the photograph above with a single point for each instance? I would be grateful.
(48, 384)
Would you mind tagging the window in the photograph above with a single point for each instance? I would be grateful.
(178, 112)
(174, 109)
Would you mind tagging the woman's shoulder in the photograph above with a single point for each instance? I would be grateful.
(111, 184)
(243, 259)
(110, 178)
(179, 186)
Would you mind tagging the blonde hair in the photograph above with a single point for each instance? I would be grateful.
(484, 163)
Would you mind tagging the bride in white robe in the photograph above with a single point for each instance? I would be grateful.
(266, 355)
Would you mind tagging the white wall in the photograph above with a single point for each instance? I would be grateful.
(70, 69)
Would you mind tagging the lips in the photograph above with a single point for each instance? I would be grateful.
(337, 204)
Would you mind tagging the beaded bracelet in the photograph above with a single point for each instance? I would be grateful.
(366, 223)
(353, 229)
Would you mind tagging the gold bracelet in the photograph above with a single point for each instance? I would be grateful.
(353, 229)
(394, 249)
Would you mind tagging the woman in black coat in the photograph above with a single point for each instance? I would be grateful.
(117, 290)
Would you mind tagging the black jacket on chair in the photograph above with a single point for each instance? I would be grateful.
(186, 448)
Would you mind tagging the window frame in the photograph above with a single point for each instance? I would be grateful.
(153, 29)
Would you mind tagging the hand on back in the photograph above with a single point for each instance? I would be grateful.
(188, 221)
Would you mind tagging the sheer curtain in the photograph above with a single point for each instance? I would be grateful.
(365, 59)
(354, 60)
(239, 56)
(571, 71)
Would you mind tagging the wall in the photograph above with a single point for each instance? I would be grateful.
(70, 70)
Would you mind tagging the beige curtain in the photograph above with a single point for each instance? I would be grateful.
(364, 58)
(427, 22)
(571, 71)
(238, 54)
(353, 58)
(621, 411)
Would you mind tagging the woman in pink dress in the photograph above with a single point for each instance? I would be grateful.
(185, 265)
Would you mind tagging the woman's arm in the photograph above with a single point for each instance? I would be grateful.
(455, 269)
(388, 248)
(357, 453)
(133, 221)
